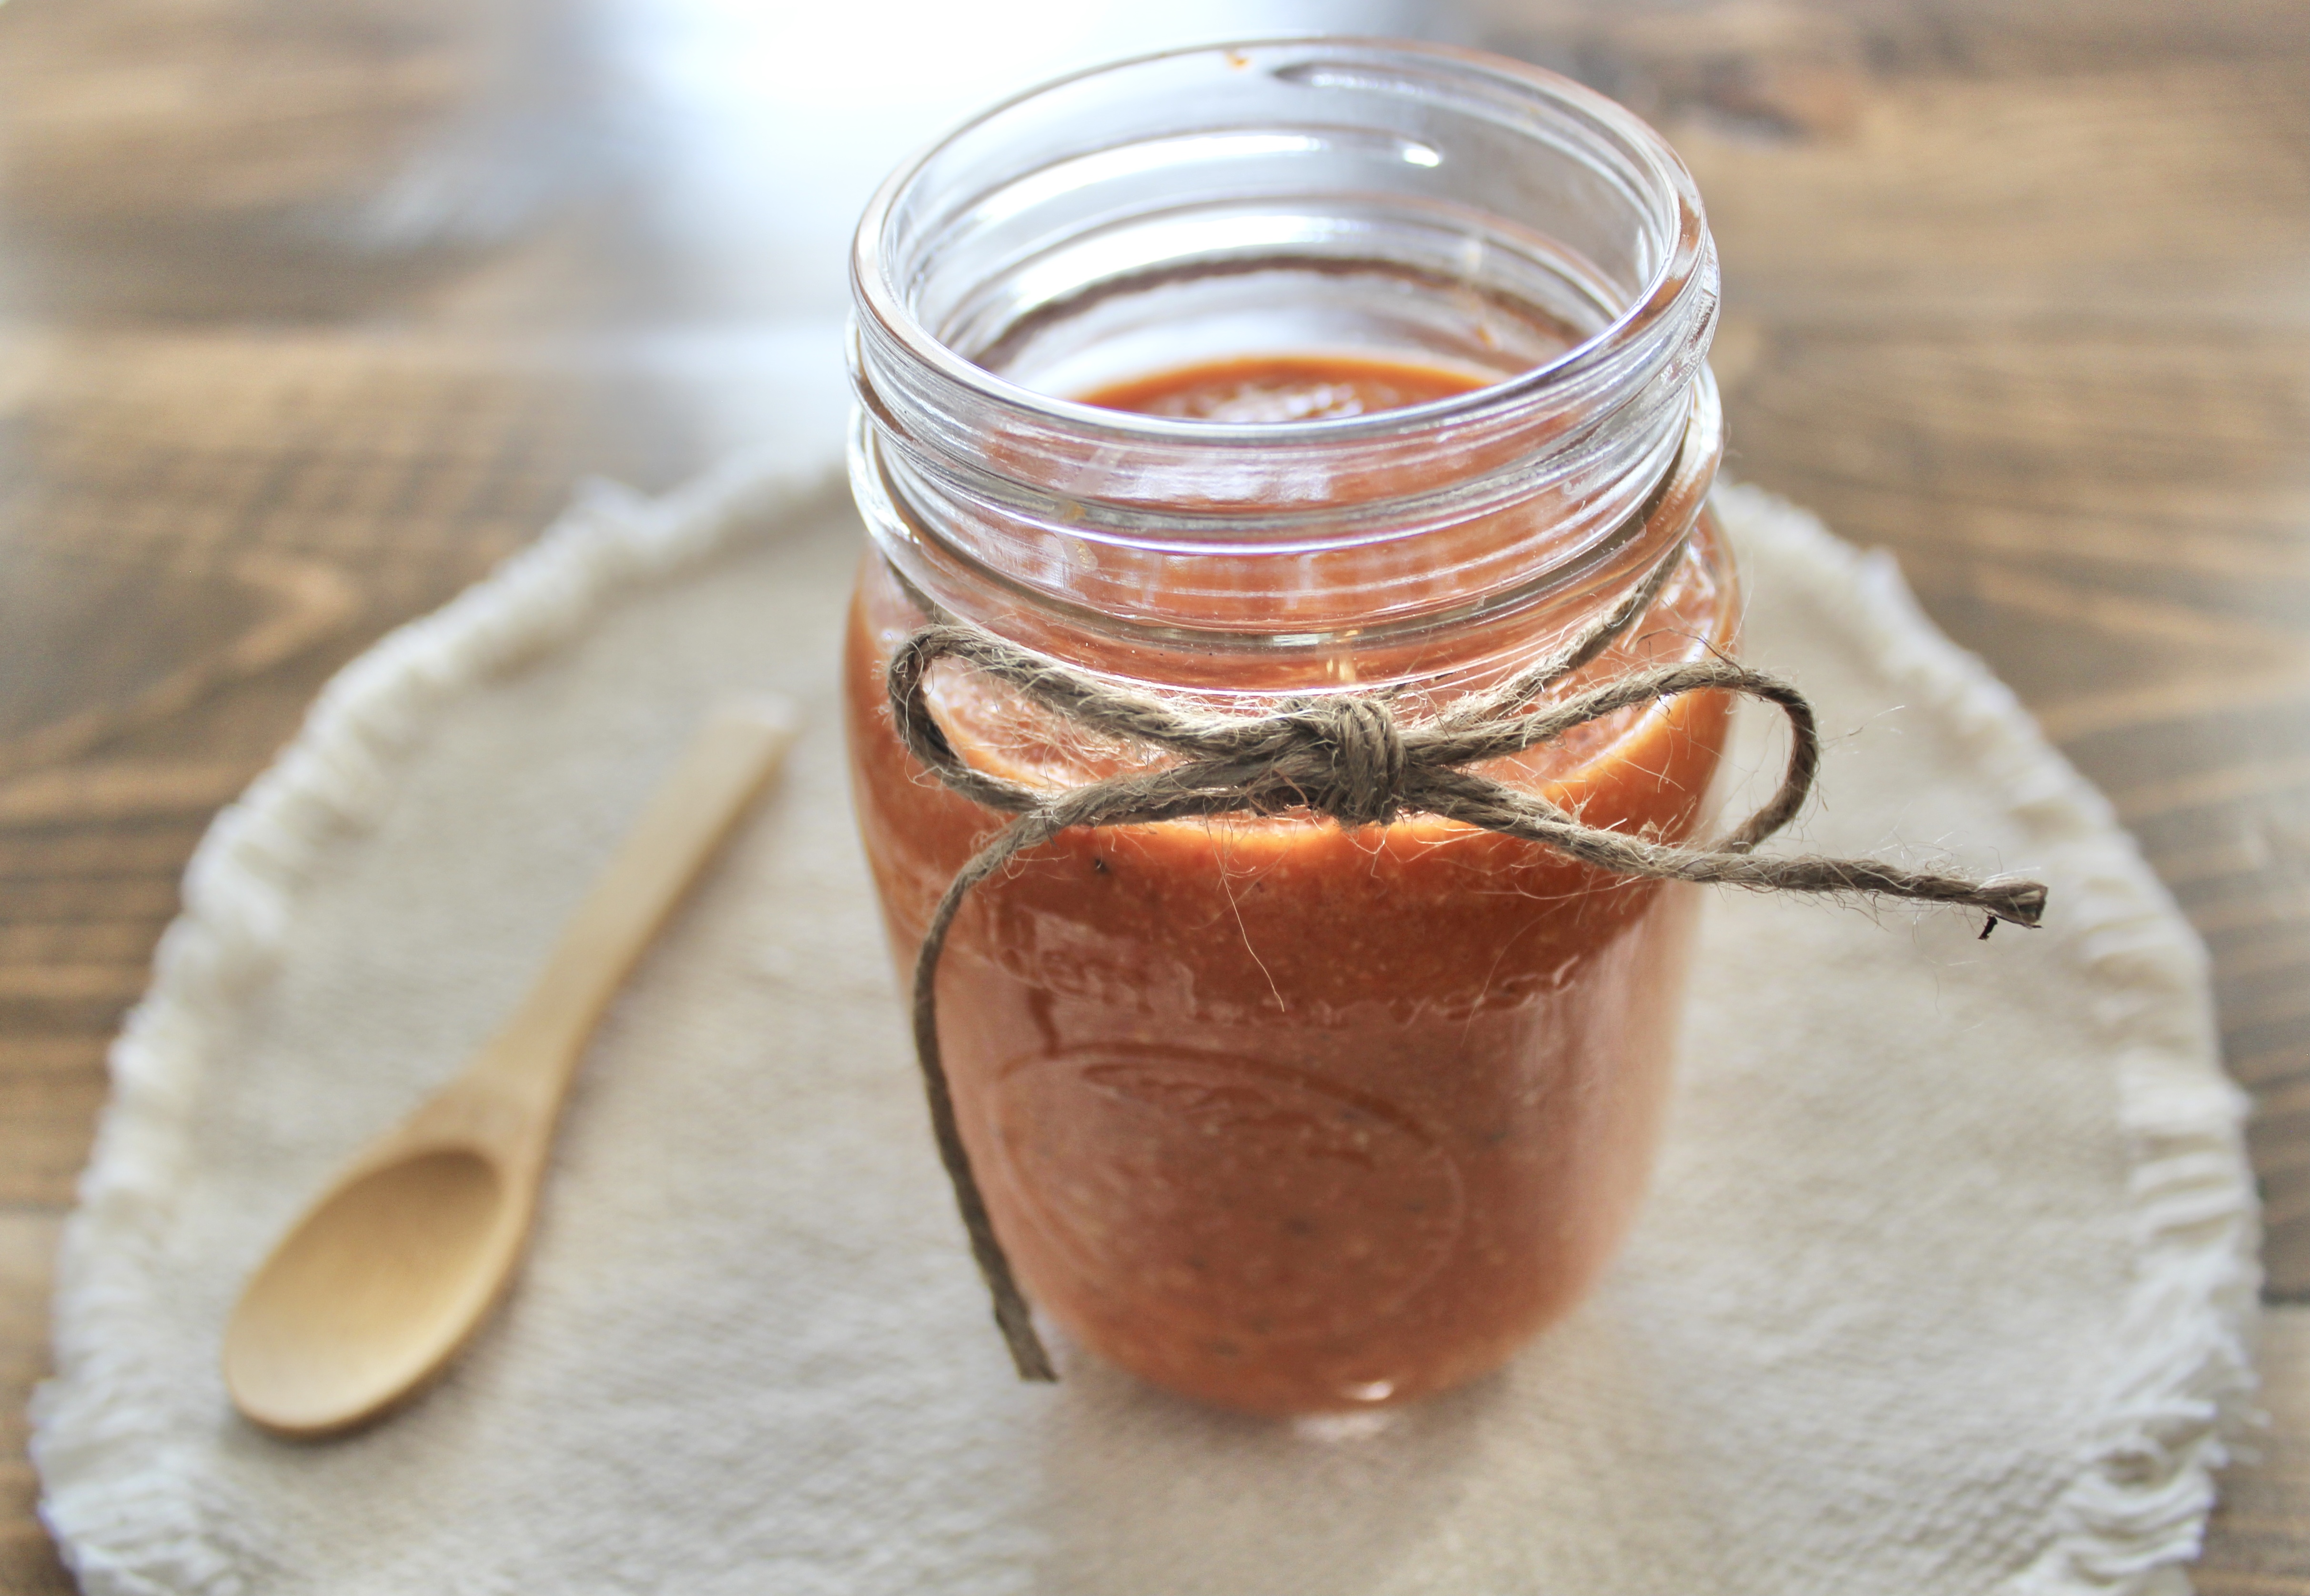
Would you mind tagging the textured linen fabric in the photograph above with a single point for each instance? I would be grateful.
(1943, 1285)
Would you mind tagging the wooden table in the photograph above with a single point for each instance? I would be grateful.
(309, 314)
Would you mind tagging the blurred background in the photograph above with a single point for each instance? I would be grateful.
(311, 310)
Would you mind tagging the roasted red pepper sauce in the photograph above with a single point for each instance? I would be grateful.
(1281, 1116)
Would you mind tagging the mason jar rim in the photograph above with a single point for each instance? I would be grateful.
(1675, 190)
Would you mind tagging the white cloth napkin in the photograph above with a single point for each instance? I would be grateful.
(1944, 1285)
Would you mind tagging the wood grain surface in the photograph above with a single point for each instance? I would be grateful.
(309, 314)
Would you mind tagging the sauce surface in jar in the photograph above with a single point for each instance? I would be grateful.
(1278, 1116)
(1272, 388)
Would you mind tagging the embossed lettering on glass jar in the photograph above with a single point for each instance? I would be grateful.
(1240, 374)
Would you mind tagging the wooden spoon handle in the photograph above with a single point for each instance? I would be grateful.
(727, 764)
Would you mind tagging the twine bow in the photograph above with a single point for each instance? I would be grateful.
(1351, 758)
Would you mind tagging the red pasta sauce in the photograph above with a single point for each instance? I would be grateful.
(1286, 1117)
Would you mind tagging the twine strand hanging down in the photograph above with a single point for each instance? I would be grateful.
(1347, 757)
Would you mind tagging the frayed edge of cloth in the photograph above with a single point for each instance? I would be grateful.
(126, 1505)
(2183, 1389)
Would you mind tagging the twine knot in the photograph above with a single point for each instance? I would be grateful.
(1356, 744)
(1347, 757)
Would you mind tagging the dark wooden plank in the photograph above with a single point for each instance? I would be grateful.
(51, 1086)
(2256, 1543)
(28, 1241)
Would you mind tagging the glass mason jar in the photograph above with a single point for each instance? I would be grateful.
(1280, 1114)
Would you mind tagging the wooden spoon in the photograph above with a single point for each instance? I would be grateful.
(375, 1289)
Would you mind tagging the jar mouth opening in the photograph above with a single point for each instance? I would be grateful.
(1661, 520)
(1647, 322)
